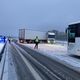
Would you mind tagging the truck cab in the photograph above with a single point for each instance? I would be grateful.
(51, 37)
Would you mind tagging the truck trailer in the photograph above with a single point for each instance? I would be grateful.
(28, 36)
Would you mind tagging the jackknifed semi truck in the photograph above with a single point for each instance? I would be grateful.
(28, 36)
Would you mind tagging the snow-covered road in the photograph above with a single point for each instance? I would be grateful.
(58, 51)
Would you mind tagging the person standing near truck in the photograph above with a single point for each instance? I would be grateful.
(36, 41)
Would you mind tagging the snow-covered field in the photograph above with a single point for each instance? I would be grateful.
(58, 51)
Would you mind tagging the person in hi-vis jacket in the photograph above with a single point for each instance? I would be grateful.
(36, 41)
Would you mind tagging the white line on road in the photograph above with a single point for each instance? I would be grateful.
(34, 73)
(38, 62)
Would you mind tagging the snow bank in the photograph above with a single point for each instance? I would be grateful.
(1, 46)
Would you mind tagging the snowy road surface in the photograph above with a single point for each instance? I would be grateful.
(58, 51)
(51, 65)
(46, 68)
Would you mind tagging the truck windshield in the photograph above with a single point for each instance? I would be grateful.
(51, 36)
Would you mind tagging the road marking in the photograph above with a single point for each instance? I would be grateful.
(38, 62)
(34, 73)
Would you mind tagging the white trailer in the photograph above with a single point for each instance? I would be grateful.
(73, 36)
(29, 35)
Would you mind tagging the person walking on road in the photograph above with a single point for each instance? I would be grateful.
(36, 41)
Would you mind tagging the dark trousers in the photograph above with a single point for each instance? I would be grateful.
(36, 46)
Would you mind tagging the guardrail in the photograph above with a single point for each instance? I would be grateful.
(2, 63)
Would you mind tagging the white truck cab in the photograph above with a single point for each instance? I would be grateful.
(51, 37)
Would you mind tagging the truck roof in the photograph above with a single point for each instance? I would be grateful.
(77, 22)
(51, 33)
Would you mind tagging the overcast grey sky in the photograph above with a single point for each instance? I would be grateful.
(37, 14)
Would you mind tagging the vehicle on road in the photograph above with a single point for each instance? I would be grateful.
(73, 38)
(51, 37)
(29, 36)
(2, 39)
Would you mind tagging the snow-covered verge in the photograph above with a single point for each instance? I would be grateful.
(2, 60)
(58, 51)
(9, 68)
(1, 46)
(61, 42)
(51, 48)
